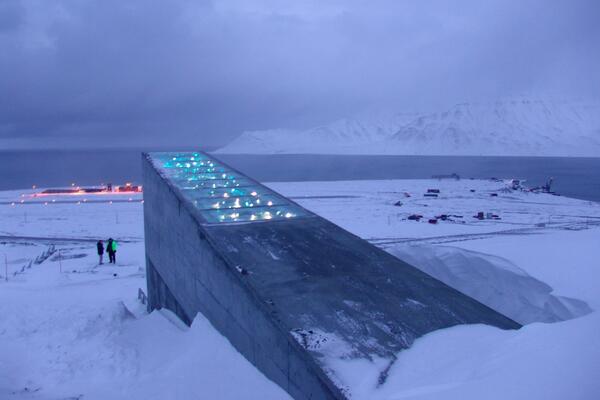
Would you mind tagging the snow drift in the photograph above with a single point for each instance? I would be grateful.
(494, 281)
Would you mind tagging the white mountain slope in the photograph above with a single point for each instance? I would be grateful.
(519, 126)
(345, 136)
(510, 127)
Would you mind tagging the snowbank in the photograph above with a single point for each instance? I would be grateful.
(81, 333)
(494, 281)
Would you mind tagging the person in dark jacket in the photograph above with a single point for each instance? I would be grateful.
(111, 249)
(100, 247)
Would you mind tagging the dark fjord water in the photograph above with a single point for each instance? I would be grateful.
(574, 177)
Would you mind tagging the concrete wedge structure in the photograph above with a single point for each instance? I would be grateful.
(289, 289)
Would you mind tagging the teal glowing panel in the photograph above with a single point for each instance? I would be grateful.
(221, 194)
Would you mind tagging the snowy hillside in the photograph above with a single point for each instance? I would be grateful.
(511, 127)
(517, 126)
(345, 136)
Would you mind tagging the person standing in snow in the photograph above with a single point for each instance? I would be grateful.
(114, 251)
(111, 249)
(100, 247)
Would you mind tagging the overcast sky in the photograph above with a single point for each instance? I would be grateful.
(179, 73)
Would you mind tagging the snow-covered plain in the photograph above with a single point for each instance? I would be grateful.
(72, 329)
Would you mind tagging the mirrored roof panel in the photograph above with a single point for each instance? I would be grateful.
(220, 193)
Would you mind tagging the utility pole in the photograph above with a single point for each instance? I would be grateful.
(5, 267)
(59, 261)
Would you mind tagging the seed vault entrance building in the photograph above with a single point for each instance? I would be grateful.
(289, 289)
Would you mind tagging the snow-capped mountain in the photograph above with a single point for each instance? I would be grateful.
(510, 127)
(516, 126)
(345, 136)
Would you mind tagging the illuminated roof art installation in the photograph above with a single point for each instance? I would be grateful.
(222, 194)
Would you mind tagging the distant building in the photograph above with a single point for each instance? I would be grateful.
(128, 187)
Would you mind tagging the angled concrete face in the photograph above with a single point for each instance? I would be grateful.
(289, 289)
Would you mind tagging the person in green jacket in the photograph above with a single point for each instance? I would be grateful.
(111, 249)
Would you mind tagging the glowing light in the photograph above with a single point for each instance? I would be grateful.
(221, 194)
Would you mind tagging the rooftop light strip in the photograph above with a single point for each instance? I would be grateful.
(220, 194)
(227, 195)
(228, 208)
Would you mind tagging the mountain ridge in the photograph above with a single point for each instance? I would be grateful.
(516, 126)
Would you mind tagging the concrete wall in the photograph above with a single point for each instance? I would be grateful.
(186, 275)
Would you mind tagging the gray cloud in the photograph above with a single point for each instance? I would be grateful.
(125, 73)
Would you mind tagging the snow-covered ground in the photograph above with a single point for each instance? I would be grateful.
(82, 333)
(70, 328)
